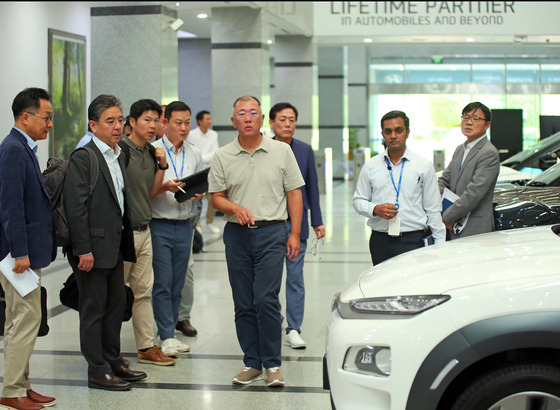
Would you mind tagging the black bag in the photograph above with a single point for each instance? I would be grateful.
(198, 242)
(69, 296)
(43, 328)
(53, 177)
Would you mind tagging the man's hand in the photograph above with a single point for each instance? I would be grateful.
(174, 185)
(21, 265)
(243, 216)
(449, 227)
(292, 247)
(161, 157)
(385, 211)
(319, 231)
(197, 197)
(86, 262)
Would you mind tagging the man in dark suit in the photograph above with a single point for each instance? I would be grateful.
(282, 119)
(27, 234)
(472, 175)
(102, 237)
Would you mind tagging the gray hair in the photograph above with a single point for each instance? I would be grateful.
(100, 104)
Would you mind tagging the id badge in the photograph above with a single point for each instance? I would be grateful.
(394, 226)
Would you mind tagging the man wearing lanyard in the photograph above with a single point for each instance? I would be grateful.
(398, 192)
(171, 225)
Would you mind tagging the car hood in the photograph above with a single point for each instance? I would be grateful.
(507, 175)
(488, 258)
(516, 196)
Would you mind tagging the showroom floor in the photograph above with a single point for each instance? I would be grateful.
(202, 378)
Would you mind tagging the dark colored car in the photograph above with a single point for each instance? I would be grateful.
(538, 158)
(537, 203)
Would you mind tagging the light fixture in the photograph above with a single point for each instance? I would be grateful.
(470, 39)
(176, 24)
(202, 15)
(268, 41)
(368, 40)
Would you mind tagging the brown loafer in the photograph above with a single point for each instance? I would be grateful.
(40, 399)
(126, 373)
(185, 327)
(20, 403)
(108, 382)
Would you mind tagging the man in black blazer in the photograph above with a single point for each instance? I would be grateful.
(102, 238)
(27, 234)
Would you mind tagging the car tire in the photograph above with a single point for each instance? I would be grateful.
(528, 383)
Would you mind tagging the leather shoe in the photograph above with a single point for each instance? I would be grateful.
(20, 403)
(126, 373)
(185, 327)
(109, 382)
(40, 399)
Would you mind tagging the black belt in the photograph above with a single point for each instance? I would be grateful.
(402, 233)
(262, 224)
(140, 228)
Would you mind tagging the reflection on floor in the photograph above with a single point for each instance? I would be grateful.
(202, 378)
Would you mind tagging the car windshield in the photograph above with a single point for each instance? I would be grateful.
(522, 158)
(550, 177)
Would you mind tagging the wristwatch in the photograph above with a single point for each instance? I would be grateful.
(162, 168)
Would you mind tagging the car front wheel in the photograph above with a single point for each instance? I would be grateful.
(521, 386)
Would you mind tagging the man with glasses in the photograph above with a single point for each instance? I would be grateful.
(102, 238)
(27, 235)
(472, 175)
(282, 119)
(397, 191)
(250, 180)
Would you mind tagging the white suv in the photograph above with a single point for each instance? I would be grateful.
(470, 324)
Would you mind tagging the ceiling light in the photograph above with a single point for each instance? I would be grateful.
(268, 41)
(470, 39)
(202, 15)
(177, 4)
(368, 40)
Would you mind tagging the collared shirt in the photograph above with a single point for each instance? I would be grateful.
(470, 146)
(140, 170)
(206, 143)
(257, 181)
(111, 157)
(32, 144)
(419, 198)
(182, 162)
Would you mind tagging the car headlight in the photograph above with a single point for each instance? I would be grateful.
(398, 305)
(370, 360)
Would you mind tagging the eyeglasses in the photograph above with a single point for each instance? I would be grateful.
(467, 118)
(113, 122)
(316, 244)
(243, 114)
(46, 118)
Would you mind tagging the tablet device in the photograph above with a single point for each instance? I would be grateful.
(194, 184)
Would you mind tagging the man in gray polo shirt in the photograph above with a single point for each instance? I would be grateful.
(250, 180)
(143, 162)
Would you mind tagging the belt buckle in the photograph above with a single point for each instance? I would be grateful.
(252, 226)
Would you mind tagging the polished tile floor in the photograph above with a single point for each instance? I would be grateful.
(201, 379)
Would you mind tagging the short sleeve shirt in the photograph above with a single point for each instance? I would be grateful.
(257, 181)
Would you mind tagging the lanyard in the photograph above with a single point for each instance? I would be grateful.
(173, 162)
(390, 168)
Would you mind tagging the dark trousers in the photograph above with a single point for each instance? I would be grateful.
(383, 247)
(255, 261)
(102, 302)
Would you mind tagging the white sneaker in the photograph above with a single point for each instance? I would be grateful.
(213, 228)
(180, 346)
(168, 348)
(294, 340)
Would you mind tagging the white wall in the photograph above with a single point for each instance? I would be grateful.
(24, 45)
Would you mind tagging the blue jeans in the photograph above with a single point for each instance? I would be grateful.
(255, 265)
(295, 290)
(171, 243)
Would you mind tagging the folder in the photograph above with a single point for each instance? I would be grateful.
(194, 184)
(447, 199)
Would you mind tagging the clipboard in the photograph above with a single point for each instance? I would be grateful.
(194, 184)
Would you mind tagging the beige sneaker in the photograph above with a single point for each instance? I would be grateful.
(248, 375)
(273, 377)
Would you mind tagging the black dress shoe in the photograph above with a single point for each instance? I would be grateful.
(108, 382)
(185, 327)
(126, 373)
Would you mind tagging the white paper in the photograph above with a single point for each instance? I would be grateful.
(23, 282)
(450, 197)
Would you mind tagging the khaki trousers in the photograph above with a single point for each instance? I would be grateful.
(23, 318)
(140, 277)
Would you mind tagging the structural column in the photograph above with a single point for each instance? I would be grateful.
(333, 107)
(295, 73)
(240, 64)
(134, 53)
